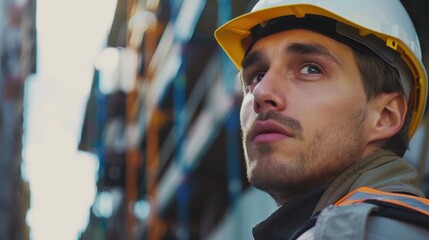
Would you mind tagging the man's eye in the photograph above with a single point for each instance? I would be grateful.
(258, 77)
(310, 69)
(253, 80)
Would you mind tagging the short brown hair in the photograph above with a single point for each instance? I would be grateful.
(380, 77)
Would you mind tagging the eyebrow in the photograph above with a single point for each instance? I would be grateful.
(311, 49)
(252, 58)
(294, 48)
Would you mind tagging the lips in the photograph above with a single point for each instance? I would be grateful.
(268, 131)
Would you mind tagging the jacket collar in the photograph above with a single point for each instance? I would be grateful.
(382, 170)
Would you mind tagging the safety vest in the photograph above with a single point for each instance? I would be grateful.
(366, 194)
(367, 213)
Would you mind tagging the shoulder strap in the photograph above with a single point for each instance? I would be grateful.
(365, 194)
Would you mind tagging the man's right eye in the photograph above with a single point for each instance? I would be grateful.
(253, 80)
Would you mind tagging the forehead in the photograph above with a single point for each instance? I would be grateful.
(276, 42)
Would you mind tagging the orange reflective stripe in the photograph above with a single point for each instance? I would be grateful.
(365, 193)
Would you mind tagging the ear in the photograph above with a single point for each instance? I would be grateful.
(389, 113)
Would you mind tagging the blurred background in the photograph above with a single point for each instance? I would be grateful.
(119, 120)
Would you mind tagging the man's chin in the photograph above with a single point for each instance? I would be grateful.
(280, 194)
(281, 189)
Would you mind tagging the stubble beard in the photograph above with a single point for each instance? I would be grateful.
(325, 156)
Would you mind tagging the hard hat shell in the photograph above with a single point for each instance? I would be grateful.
(386, 19)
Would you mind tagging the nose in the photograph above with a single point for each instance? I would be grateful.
(268, 94)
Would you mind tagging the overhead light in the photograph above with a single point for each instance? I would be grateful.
(138, 24)
(107, 60)
(142, 209)
(117, 69)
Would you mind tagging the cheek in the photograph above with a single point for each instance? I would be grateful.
(339, 98)
(325, 111)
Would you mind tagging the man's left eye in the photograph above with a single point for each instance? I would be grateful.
(310, 69)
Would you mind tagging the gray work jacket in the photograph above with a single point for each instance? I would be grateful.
(382, 170)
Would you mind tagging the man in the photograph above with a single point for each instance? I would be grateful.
(333, 91)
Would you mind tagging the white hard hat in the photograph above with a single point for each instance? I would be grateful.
(367, 22)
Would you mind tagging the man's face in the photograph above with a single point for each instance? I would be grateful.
(303, 114)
